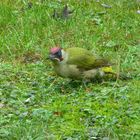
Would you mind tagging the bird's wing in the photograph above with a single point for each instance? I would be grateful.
(84, 59)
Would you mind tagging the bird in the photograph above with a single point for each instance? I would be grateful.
(79, 63)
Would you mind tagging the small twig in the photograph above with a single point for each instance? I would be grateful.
(118, 69)
(51, 84)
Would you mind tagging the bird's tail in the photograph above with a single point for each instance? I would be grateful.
(109, 73)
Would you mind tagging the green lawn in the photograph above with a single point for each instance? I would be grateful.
(36, 104)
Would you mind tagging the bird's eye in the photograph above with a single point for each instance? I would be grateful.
(58, 54)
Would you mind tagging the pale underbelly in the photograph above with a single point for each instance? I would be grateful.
(71, 71)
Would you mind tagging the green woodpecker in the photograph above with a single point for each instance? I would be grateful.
(78, 63)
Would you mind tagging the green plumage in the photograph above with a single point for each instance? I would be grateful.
(79, 63)
(84, 59)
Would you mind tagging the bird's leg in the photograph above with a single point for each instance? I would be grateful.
(85, 82)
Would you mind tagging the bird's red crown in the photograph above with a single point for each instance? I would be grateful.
(54, 50)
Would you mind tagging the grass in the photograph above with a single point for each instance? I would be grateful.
(37, 104)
